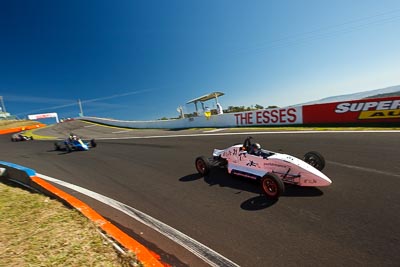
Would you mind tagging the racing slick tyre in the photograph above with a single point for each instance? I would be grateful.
(68, 148)
(57, 147)
(93, 143)
(315, 159)
(272, 186)
(203, 166)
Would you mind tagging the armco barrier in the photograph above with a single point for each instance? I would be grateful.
(28, 178)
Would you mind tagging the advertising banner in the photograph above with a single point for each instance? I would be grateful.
(43, 116)
(278, 116)
(358, 111)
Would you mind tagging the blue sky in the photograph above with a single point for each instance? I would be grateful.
(140, 60)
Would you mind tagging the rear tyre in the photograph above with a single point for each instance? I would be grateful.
(57, 147)
(272, 186)
(315, 159)
(203, 166)
(93, 143)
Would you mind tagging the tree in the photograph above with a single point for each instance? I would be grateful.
(232, 109)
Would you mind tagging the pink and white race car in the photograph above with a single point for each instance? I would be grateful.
(272, 169)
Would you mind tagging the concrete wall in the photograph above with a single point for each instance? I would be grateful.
(280, 116)
(374, 111)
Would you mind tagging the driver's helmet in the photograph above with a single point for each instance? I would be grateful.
(255, 148)
(72, 137)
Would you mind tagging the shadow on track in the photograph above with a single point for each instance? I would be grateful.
(61, 152)
(221, 178)
(191, 177)
(258, 203)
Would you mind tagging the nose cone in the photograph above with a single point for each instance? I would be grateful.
(324, 181)
(316, 180)
(319, 178)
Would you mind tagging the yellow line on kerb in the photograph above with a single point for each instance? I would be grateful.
(39, 137)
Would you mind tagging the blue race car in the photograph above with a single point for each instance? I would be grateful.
(74, 143)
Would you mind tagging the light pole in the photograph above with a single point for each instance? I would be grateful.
(3, 108)
(80, 108)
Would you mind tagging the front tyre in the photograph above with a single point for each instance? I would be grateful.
(272, 186)
(203, 166)
(68, 148)
(315, 159)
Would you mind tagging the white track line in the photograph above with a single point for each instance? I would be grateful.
(364, 169)
(121, 131)
(214, 131)
(243, 133)
(203, 252)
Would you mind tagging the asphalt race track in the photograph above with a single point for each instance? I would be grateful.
(354, 222)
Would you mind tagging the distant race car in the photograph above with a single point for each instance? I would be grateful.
(272, 169)
(20, 137)
(74, 143)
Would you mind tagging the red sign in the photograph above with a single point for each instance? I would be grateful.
(269, 117)
(358, 111)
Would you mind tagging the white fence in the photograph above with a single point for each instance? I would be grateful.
(279, 116)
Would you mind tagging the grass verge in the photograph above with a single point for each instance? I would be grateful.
(38, 231)
(8, 124)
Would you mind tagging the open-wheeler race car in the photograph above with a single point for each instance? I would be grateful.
(272, 169)
(20, 137)
(74, 143)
